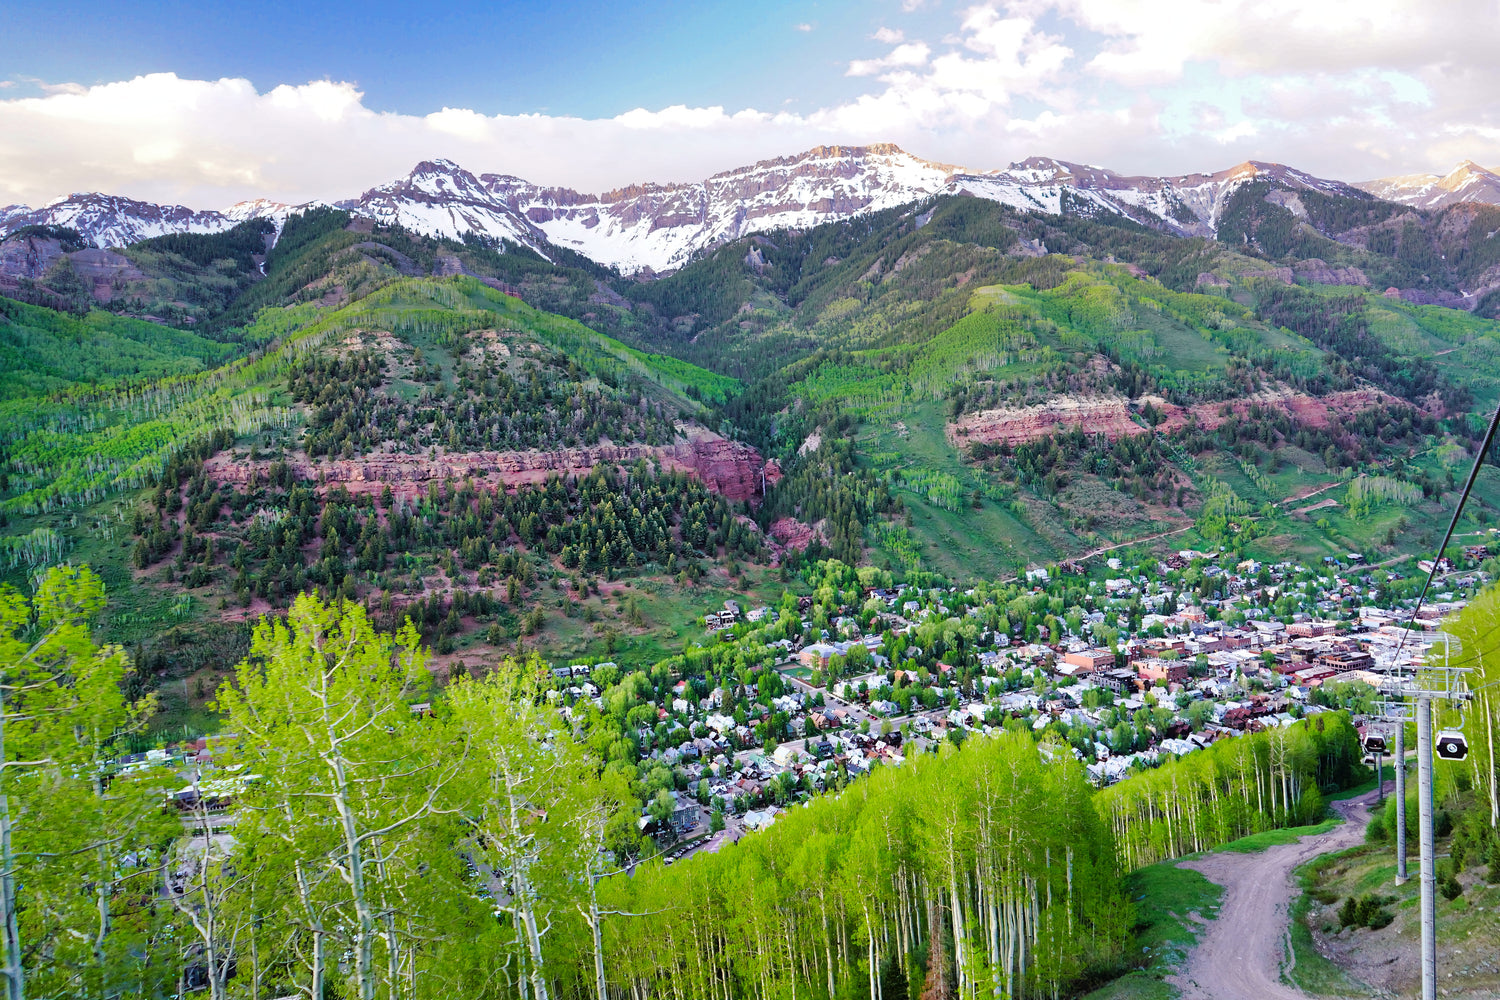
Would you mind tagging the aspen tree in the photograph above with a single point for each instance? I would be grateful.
(322, 698)
(60, 699)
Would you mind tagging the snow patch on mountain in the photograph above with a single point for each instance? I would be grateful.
(660, 227)
(110, 221)
(1467, 182)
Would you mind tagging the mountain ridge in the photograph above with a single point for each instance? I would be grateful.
(1468, 182)
(647, 228)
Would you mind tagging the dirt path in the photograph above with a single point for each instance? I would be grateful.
(1310, 494)
(1239, 955)
(1133, 541)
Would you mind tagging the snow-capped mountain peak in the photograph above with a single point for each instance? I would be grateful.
(441, 198)
(659, 227)
(1466, 182)
(115, 221)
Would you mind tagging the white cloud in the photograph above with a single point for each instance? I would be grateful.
(1235, 132)
(906, 54)
(1146, 44)
(804, 26)
(1349, 88)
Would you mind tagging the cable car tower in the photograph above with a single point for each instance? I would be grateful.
(1419, 690)
(1412, 696)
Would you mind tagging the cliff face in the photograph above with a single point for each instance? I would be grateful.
(1115, 416)
(1108, 415)
(727, 467)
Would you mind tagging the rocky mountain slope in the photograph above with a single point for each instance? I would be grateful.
(1466, 183)
(110, 221)
(662, 226)
(1189, 205)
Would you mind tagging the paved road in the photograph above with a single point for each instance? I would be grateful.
(1240, 954)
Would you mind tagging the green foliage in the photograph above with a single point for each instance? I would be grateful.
(77, 837)
(1258, 782)
(71, 240)
(925, 825)
(827, 485)
(1340, 324)
(82, 445)
(1366, 492)
(240, 244)
(1366, 911)
(938, 487)
(1223, 513)
(603, 523)
(42, 350)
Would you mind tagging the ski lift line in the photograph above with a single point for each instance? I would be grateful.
(1484, 449)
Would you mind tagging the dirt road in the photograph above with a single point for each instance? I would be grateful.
(1239, 955)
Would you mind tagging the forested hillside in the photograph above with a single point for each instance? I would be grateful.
(520, 453)
(962, 359)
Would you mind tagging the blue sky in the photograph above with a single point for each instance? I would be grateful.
(586, 59)
(208, 104)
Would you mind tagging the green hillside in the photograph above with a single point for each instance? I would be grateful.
(344, 421)
(42, 350)
(910, 334)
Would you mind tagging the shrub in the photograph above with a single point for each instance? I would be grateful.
(1365, 911)
(1447, 880)
(1367, 907)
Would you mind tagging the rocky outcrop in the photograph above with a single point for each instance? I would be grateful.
(28, 256)
(1310, 411)
(1116, 417)
(1281, 274)
(727, 467)
(790, 533)
(1108, 415)
(1320, 273)
(102, 270)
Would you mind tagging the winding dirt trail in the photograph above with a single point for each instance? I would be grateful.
(1239, 955)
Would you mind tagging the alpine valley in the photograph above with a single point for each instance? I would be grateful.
(850, 352)
(724, 456)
